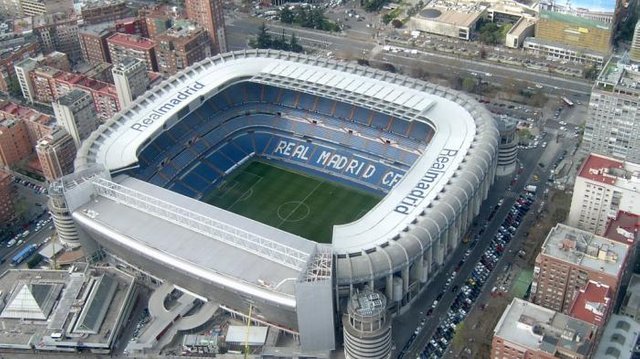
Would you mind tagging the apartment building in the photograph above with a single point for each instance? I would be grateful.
(209, 14)
(93, 42)
(38, 124)
(592, 304)
(131, 80)
(181, 46)
(604, 186)
(100, 11)
(125, 45)
(15, 145)
(568, 260)
(76, 114)
(56, 153)
(527, 330)
(7, 212)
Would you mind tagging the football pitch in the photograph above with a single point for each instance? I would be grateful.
(292, 201)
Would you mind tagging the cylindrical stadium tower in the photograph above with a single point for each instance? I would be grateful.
(508, 147)
(367, 326)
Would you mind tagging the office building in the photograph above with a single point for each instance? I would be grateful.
(45, 7)
(603, 187)
(588, 25)
(181, 46)
(80, 309)
(124, 45)
(101, 11)
(568, 260)
(14, 142)
(56, 153)
(527, 330)
(93, 42)
(76, 114)
(613, 122)
(209, 14)
(619, 338)
(7, 212)
(131, 80)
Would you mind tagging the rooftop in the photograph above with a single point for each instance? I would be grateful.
(623, 228)
(131, 41)
(585, 249)
(462, 16)
(592, 303)
(541, 329)
(10, 109)
(89, 4)
(97, 29)
(619, 73)
(618, 339)
(71, 97)
(51, 298)
(611, 171)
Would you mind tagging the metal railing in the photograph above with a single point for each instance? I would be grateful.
(220, 231)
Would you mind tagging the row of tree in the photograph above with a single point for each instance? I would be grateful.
(308, 17)
(264, 40)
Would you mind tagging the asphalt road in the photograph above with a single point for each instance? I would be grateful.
(242, 27)
(410, 320)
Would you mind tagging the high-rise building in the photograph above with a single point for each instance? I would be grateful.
(125, 45)
(569, 259)
(603, 187)
(131, 80)
(93, 42)
(6, 198)
(634, 51)
(23, 71)
(159, 19)
(526, 330)
(565, 28)
(14, 142)
(45, 7)
(181, 46)
(76, 114)
(56, 153)
(8, 57)
(613, 121)
(209, 14)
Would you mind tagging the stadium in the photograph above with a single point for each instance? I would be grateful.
(285, 183)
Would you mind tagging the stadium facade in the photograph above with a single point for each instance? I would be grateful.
(135, 195)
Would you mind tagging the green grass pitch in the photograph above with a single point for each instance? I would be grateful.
(294, 202)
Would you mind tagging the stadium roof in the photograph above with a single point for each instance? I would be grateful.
(431, 195)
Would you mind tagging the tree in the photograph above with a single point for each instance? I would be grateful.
(34, 261)
(469, 84)
(263, 40)
(287, 16)
(293, 43)
(396, 23)
(591, 72)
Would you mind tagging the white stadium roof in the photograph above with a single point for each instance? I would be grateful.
(463, 146)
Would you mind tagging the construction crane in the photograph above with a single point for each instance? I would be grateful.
(246, 338)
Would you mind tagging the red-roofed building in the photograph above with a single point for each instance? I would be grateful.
(38, 124)
(604, 186)
(592, 304)
(624, 228)
(125, 45)
(132, 26)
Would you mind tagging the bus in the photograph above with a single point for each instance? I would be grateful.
(567, 101)
(24, 253)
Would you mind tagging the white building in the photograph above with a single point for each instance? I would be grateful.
(603, 187)
(613, 122)
(23, 69)
(131, 80)
(76, 114)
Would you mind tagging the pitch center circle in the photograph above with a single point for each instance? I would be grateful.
(293, 211)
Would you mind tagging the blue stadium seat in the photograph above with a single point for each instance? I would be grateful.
(207, 172)
(182, 189)
(271, 94)
(306, 101)
(253, 92)
(261, 140)
(325, 106)
(244, 144)
(288, 98)
(399, 126)
(219, 161)
(194, 181)
(164, 141)
(342, 110)
(183, 159)
(234, 94)
(418, 130)
(361, 116)
(380, 121)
